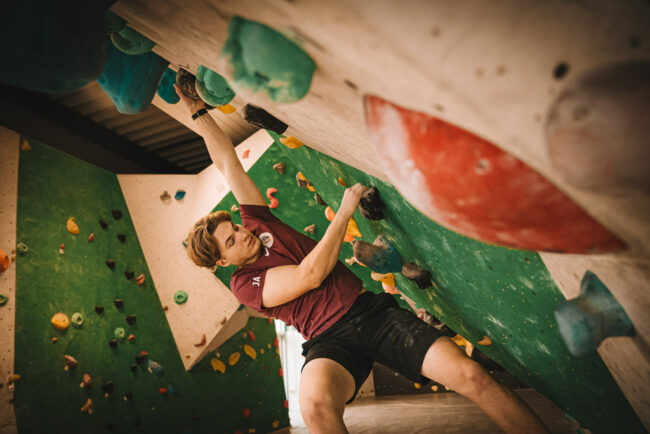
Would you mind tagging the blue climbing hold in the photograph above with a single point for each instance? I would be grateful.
(131, 81)
(380, 256)
(179, 194)
(591, 317)
(166, 87)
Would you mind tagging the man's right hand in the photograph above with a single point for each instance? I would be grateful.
(351, 199)
(192, 105)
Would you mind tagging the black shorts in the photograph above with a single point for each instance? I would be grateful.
(375, 329)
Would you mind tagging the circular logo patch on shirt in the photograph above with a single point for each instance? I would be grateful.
(267, 239)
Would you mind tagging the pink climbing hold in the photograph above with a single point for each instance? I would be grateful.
(269, 194)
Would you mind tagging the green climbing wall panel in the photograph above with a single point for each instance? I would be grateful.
(479, 289)
(53, 187)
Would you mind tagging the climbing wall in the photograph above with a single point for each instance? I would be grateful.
(235, 388)
(479, 290)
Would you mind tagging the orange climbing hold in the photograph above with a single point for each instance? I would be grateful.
(226, 109)
(60, 321)
(234, 358)
(276, 423)
(72, 227)
(4, 260)
(485, 341)
(352, 229)
(251, 335)
(342, 182)
(140, 279)
(246, 153)
(250, 351)
(291, 142)
(462, 342)
(269, 194)
(218, 365)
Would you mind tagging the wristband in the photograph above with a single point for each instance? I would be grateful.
(199, 113)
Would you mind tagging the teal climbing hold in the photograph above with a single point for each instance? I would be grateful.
(52, 46)
(180, 297)
(591, 317)
(131, 42)
(114, 23)
(131, 81)
(380, 256)
(179, 194)
(166, 87)
(263, 59)
(212, 87)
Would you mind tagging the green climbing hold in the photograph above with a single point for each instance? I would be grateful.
(77, 320)
(180, 297)
(119, 333)
(131, 42)
(22, 249)
(263, 59)
(114, 23)
(212, 87)
(166, 87)
(3, 299)
(131, 81)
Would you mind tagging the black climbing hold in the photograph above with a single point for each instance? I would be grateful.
(113, 343)
(319, 199)
(371, 206)
(121, 237)
(103, 224)
(118, 303)
(560, 70)
(110, 263)
(129, 274)
(419, 275)
(134, 367)
(117, 214)
(131, 319)
(99, 309)
(187, 83)
(140, 358)
(108, 387)
(136, 422)
(261, 118)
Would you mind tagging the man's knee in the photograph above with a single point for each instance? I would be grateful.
(319, 405)
(472, 379)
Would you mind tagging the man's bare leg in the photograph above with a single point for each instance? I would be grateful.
(447, 364)
(325, 387)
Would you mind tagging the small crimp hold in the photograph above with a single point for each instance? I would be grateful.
(310, 229)
(99, 310)
(118, 303)
(234, 208)
(130, 319)
(70, 362)
(269, 194)
(108, 388)
(122, 238)
(129, 274)
(140, 279)
(319, 199)
(291, 142)
(87, 382)
(201, 342)
(165, 196)
(110, 263)
(279, 167)
(117, 214)
(419, 275)
(103, 224)
(91, 237)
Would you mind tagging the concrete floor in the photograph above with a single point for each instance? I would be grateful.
(436, 413)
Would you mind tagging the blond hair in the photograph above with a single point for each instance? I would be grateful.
(201, 246)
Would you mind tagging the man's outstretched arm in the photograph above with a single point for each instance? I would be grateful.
(223, 155)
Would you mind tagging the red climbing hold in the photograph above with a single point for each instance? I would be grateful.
(269, 194)
(280, 372)
(471, 186)
(246, 413)
(246, 153)
(275, 342)
(163, 391)
(251, 335)
(285, 404)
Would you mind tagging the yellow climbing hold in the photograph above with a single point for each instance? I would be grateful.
(72, 227)
(291, 142)
(342, 182)
(353, 229)
(234, 358)
(485, 341)
(462, 342)
(60, 321)
(24, 145)
(388, 278)
(250, 351)
(276, 423)
(218, 365)
(261, 350)
(417, 385)
(226, 109)
(434, 388)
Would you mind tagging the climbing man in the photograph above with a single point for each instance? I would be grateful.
(287, 275)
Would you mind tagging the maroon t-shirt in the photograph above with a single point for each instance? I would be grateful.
(313, 312)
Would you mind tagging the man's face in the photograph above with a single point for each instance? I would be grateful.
(237, 244)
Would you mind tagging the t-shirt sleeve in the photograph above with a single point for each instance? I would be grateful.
(252, 215)
(247, 286)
